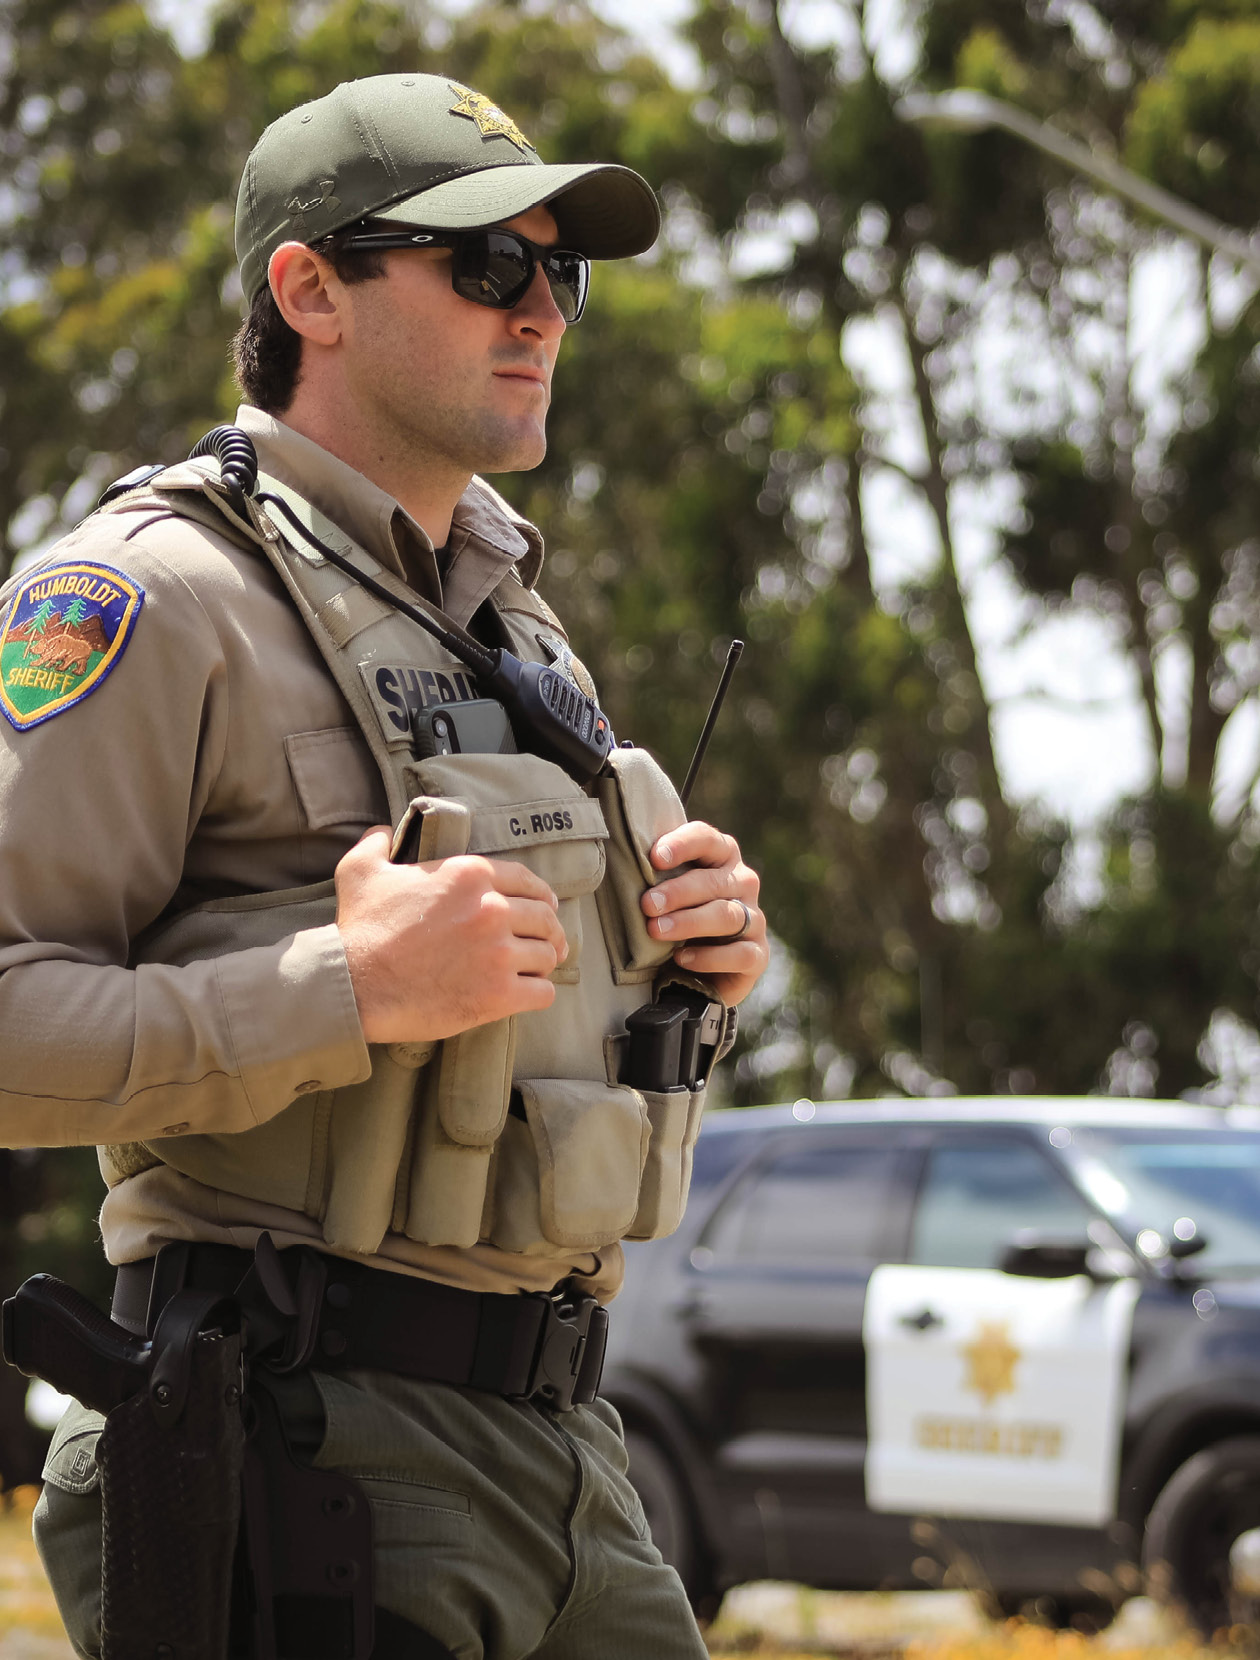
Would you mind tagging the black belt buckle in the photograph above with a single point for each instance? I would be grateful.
(570, 1353)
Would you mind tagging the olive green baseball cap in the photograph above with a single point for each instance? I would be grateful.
(424, 150)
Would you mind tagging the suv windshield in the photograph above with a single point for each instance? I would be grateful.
(1209, 1176)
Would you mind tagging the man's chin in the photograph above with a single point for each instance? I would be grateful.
(519, 457)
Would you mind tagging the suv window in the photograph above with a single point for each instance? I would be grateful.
(821, 1204)
(716, 1155)
(977, 1195)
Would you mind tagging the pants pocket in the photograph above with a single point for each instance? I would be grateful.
(568, 1167)
(67, 1527)
(640, 804)
(674, 1117)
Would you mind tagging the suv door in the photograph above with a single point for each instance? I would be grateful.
(993, 1395)
(773, 1308)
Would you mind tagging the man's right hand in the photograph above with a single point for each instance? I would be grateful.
(435, 949)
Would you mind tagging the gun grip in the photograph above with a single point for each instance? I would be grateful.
(52, 1331)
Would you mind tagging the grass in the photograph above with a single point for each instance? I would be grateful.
(757, 1622)
(789, 1622)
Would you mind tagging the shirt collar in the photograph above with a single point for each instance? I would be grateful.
(488, 537)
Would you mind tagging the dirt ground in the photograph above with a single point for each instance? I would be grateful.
(757, 1622)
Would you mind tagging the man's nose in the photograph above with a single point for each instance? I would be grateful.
(537, 312)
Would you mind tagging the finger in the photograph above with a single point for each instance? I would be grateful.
(694, 841)
(701, 886)
(530, 920)
(720, 919)
(534, 959)
(740, 957)
(519, 881)
(530, 993)
(372, 846)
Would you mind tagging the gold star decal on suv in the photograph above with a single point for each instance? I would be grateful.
(991, 1360)
(490, 119)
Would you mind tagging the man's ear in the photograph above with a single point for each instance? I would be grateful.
(307, 293)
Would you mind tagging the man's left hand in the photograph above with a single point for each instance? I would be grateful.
(705, 905)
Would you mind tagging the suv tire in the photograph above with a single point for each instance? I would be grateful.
(1205, 1507)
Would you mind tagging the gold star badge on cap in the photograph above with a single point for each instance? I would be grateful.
(490, 119)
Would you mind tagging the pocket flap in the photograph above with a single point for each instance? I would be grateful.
(529, 823)
(591, 1140)
(334, 778)
(649, 802)
(71, 1463)
(523, 808)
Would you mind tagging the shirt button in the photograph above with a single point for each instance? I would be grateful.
(307, 1087)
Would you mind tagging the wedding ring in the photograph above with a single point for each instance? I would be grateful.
(748, 916)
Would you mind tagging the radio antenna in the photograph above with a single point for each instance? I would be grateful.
(715, 709)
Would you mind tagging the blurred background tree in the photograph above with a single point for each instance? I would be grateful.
(855, 337)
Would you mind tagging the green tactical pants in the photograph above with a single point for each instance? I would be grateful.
(501, 1530)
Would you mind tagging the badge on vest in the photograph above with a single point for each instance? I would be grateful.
(63, 632)
(561, 657)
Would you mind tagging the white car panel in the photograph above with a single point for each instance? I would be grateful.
(990, 1395)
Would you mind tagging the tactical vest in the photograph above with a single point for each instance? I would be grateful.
(518, 1133)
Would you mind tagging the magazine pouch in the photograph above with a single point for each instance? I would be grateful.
(569, 1165)
(640, 804)
(522, 808)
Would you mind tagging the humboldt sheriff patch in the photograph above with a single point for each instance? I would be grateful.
(63, 631)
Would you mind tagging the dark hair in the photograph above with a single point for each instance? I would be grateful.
(266, 352)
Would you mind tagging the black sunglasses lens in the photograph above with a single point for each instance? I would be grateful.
(492, 269)
(495, 268)
(568, 276)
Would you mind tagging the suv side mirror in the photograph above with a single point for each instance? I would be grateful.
(1038, 1257)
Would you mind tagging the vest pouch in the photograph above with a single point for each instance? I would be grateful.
(516, 807)
(640, 804)
(461, 1118)
(567, 1173)
(674, 1117)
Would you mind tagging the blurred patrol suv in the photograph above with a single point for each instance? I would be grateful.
(1012, 1344)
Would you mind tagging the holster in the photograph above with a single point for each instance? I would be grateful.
(170, 1457)
(170, 1494)
(182, 1441)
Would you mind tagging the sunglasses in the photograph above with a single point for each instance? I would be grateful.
(494, 268)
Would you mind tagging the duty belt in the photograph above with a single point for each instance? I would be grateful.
(304, 1308)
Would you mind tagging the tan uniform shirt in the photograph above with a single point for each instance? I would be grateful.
(217, 758)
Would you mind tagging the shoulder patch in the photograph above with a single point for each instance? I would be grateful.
(62, 632)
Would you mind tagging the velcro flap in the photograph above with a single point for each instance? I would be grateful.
(531, 823)
(443, 830)
(523, 808)
(591, 1140)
